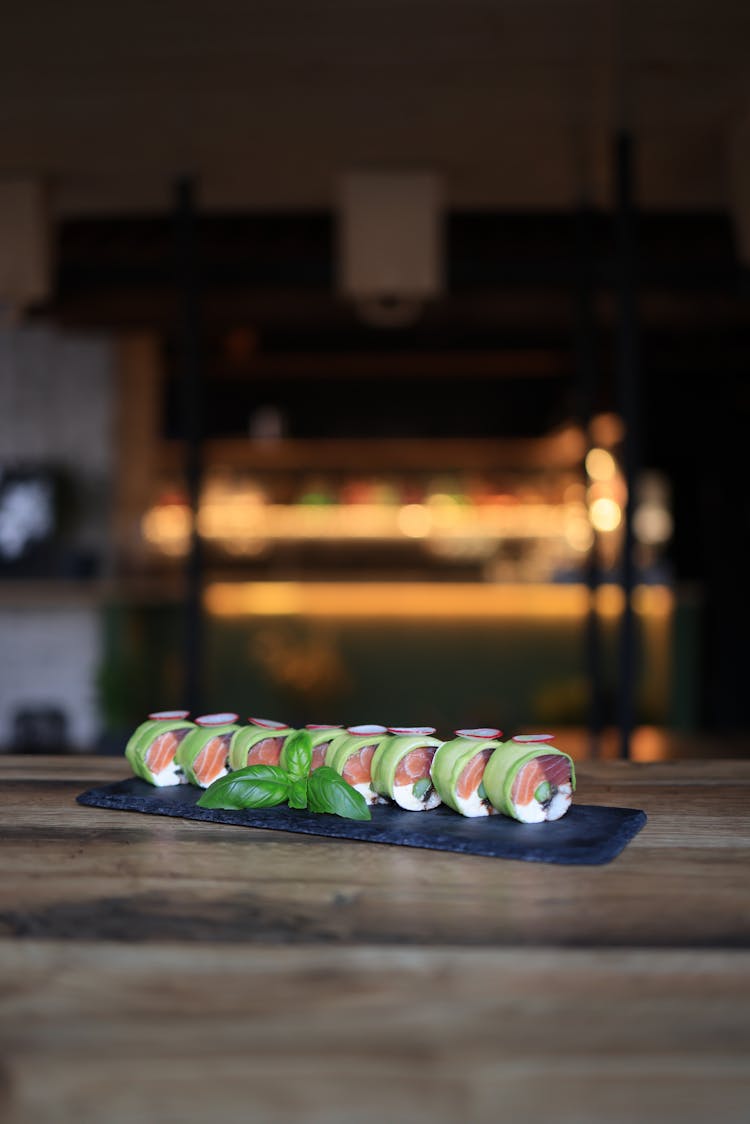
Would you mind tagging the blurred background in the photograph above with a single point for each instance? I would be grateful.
(376, 363)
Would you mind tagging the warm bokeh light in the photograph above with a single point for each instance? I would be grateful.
(578, 532)
(427, 600)
(414, 520)
(652, 524)
(600, 465)
(168, 528)
(607, 430)
(605, 514)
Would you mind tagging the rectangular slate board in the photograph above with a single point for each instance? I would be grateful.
(587, 835)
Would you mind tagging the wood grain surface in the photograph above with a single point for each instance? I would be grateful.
(167, 970)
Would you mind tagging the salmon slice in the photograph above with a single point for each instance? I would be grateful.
(212, 759)
(358, 769)
(319, 755)
(414, 765)
(265, 752)
(551, 768)
(162, 750)
(471, 775)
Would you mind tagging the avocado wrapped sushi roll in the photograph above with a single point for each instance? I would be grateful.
(152, 747)
(351, 754)
(401, 768)
(530, 779)
(321, 738)
(458, 770)
(203, 754)
(260, 743)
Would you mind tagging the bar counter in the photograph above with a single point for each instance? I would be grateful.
(167, 970)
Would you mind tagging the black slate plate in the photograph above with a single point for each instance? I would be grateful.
(587, 835)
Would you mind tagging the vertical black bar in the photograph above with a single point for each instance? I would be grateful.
(627, 388)
(586, 376)
(190, 375)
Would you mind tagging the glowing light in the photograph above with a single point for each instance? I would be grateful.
(652, 524)
(600, 465)
(578, 533)
(607, 429)
(482, 603)
(605, 514)
(168, 528)
(414, 520)
(574, 493)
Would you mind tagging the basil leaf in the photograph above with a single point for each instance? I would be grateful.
(422, 787)
(298, 793)
(296, 755)
(257, 786)
(327, 791)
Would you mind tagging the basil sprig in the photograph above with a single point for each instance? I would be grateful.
(265, 786)
(298, 793)
(257, 786)
(296, 755)
(327, 791)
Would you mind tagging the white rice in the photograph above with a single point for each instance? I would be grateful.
(404, 796)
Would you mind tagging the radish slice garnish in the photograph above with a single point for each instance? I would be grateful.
(169, 715)
(484, 733)
(367, 729)
(225, 719)
(524, 739)
(411, 730)
(268, 724)
(312, 726)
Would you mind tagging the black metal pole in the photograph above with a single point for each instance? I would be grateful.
(586, 377)
(191, 384)
(628, 396)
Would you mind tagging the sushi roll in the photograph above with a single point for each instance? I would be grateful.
(321, 737)
(260, 743)
(458, 770)
(401, 768)
(351, 754)
(530, 779)
(151, 749)
(203, 754)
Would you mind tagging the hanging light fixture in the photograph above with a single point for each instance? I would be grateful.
(25, 246)
(390, 244)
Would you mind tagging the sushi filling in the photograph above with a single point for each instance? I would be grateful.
(160, 760)
(319, 755)
(537, 811)
(211, 763)
(413, 789)
(475, 804)
(369, 793)
(168, 776)
(265, 752)
(415, 797)
(470, 797)
(357, 772)
(552, 794)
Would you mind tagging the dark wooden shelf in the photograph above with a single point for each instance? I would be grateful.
(562, 451)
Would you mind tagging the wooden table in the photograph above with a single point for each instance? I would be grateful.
(167, 970)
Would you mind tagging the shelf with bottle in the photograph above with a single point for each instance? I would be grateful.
(443, 519)
(534, 523)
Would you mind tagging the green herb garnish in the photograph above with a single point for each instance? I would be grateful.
(329, 792)
(257, 786)
(422, 787)
(266, 786)
(296, 756)
(298, 793)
